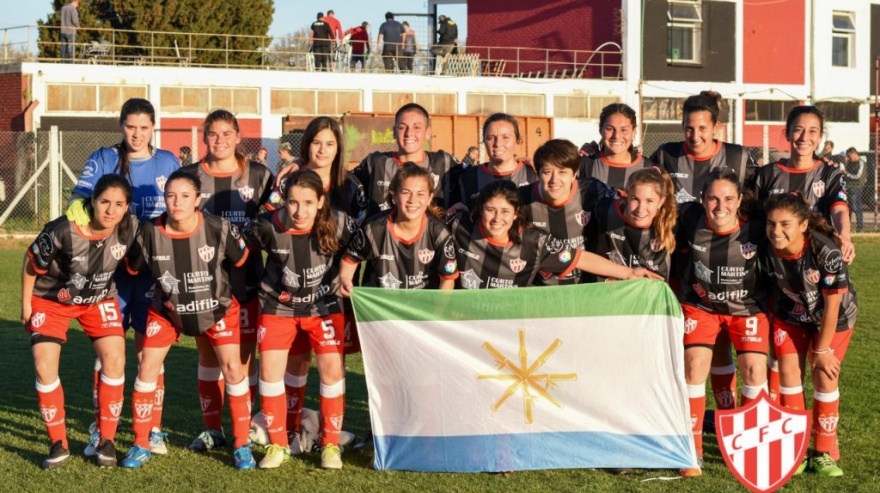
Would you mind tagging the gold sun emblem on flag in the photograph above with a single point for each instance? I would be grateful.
(525, 376)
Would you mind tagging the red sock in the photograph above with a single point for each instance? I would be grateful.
(211, 389)
(96, 377)
(724, 386)
(274, 405)
(826, 407)
(50, 398)
(295, 388)
(792, 397)
(110, 399)
(332, 405)
(143, 401)
(773, 379)
(697, 399)
(240, 408)
(159, 399)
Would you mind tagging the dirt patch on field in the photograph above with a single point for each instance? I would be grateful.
(16, 242)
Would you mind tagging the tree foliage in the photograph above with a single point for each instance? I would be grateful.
(209, 31)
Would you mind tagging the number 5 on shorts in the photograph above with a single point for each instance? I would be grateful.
(329, 331)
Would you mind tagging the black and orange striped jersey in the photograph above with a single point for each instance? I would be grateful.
(822, 185)
(378, 168)
(191, 271)
(802, 279)
(612, 174)
(720, 269)
(349, 198)
(471, 180)
(75, 268)
(689, 173)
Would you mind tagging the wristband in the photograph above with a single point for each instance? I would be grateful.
(823, 351)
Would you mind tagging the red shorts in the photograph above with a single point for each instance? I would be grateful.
(352, 340)
(747, 334)
(793, 339)
(250, 315)
(162, 333)
(279, 333)
(52, 319)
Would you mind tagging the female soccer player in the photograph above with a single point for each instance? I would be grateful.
(299, 294)
(235, 189)
(496, 250)
(617, 158)
(637, 229)
(68, 274)
(146, 169)
(188, 254)
(822, 185)
(560, 201)
(409, 246)
(500, 136)
(720, 289)
(813, 317)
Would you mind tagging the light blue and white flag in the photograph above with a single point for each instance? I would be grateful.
(586, 376)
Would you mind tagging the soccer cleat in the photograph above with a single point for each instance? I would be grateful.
(58, 455)
(693, 472)
(803, 467)
(158, 442)
(207, 440)
(94, 440)
(105, 454)
(294, 438)
(331, 457)
(275, 456)
(136, 457)
(244, 459)
(824, 465)
(365, 445)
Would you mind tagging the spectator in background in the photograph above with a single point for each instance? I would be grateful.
(285, 153)
(336, 34)
(447, 36)
(856, 177)
(470, 159)
(185, 156)
(410, 47)
(262, 156)
(827, 151)
(321, 42)
(360, 45)
(69, 25)
(389, 41)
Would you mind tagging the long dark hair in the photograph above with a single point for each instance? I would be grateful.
(705, 101)
(748, 205)
(804, 110)
(412, 170)
(134, 106)
(507, 190)
(338, 172)
(795, 203)
(325, 224)
(221, 115)
(626, 111)
(111, 180)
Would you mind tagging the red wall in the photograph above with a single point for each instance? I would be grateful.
(12, 103)
(551, 25)
(177, 132)
(774, 42)
(753, 136)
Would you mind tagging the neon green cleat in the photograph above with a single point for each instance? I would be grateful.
(275, 456)
(824, 465)
(331, 457)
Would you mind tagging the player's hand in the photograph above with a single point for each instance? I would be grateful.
(455, 209)
(589, 149)
(642, 272)
(290, 168)
(76, 212)
(827, 363)
(527, 161)
(26, 311)
(346, 286)
(847, 249)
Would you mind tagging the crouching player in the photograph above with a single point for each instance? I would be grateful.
(68, 274)
(185, 251)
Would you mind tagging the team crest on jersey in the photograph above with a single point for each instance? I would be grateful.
(115, 409)
(818, 188)
(449, 249)
(246, 193)
(828, 423)
(38, 319)
(63, 294)
(206, 253)
(702, 272)
(388, 281)
(118, 251)
(261, 333)
(160, 182)
(48, 413)
(77, 280)
(470, 280)
(656, 246)
(153, 328)
(426, 255)
(812, 275)
(690, 325)
(290, 278)
(779, 337)
(699, 290)
(582, 218)
(143, 409)
(517, 265)
(169, 283)
(748, 250)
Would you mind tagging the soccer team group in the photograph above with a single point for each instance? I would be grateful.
(168, 250)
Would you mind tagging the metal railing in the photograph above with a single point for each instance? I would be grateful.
(163, 48)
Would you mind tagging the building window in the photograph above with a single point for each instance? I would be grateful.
(515, 104)
(435, 103)
(580, 106)
(843, 39)
(90, 97)
(768, 111)
(840, 112)
(314, 102)
(684, 31)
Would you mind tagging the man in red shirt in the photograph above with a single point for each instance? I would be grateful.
(360, 44)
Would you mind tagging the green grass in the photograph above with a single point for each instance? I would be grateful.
(23, 440)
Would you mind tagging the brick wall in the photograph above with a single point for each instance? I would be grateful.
(12, 101)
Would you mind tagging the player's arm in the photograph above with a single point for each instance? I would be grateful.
(447, 284)
(601, 266)
(28, 279)
(840, 221)
(347, 268)
(823, 356)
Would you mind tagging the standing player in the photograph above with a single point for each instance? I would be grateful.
(617, 158)
(500, 136)
(146, 169)
(813, 316)
(560, 202)
(412, 126)
(822, 185)
(299, 294)
(637, 229)
(721, 289)
(234, 189)
(495, 249)
(68, 274)
(188, 253)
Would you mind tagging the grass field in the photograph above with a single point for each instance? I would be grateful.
(23, 440)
